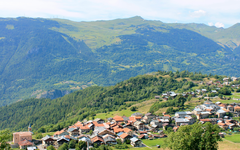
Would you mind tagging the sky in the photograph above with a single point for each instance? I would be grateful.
(219, 13)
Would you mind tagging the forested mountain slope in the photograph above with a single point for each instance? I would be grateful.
(44, 54)
(90, 101)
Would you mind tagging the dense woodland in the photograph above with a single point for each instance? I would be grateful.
(52, 115)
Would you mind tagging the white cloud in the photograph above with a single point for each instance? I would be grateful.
(183, 11)
(219, 25)
(198, 13)
(210, 24)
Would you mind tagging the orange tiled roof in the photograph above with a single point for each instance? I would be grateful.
(208, 109)
(78, 124)
(221, 124)
(117, 130)
(118, 118)
(124, 135)
(73, 126)
(205, 120)
(237, 107)
(132, 119)
(25, 143)
(126, 130)
(84, 128)
(228, 123)
(138, 117)
(67, 136)
(96, 138)
(59, 132)
(98, 125)
(167, 116)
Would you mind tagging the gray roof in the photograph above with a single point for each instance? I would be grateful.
(134, 139)
(85, 139)
(63, 138)
(48, 137)
(181, 113)
(181, 120)
(221, 111)
(71, 129)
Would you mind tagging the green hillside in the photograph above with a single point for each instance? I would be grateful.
(85, 103)
(45, 54)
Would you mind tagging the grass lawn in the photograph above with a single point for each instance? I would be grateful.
(143, 107)
(43, 134)
(234, 95)
(234, 138)
(126, 112)
(153, 143)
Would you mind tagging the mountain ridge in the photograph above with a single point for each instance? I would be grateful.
(41, 54)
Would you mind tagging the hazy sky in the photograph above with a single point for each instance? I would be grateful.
(220, 13)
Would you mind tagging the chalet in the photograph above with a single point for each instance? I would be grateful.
(220, 113)
(109, 139)
(126, 119)
(99, 121)
(78, 124)
(97, 140)
(157, 97)
(130, 126)
(211, 120)
(117, 130)
(148, 117)
(222, 125)
(61, 140)
(73, 131)
(142, 136)
(106, 132)
(156, 123)
(128, 131)
(61, 133)
(137, 116)
(48, 140)
(180, 121)
(225, 79)
(237, 109)
(118, 119)
(84, 129)
(125, 137)
(135, 142)
(234, 79)
(230, 108)
(139, 125)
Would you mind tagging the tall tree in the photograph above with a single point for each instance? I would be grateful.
(195, 137)
(5, 136)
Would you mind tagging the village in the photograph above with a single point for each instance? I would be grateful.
(138, 126)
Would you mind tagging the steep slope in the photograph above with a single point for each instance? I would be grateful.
(35, 56)
(38, 55)
(87, 102)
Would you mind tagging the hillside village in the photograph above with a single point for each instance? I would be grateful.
(139, 126)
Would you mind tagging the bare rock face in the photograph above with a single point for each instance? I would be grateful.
(52, 94)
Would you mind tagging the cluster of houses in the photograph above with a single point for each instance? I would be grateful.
(134, 128)
(97, 132)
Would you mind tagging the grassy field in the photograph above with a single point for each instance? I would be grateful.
(153, 143)
(143, 107)
(234, 138)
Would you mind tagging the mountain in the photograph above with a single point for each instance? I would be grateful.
(45, 54)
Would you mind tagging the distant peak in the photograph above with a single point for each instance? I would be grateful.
(137, 17)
